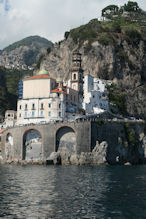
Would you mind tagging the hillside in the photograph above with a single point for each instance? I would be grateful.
(9, 88)
(111, 50)
(25, 53)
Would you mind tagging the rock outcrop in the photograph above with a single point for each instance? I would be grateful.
(102, 155)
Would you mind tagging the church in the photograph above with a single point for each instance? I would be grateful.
(43, 99)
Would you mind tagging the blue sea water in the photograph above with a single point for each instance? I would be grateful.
(72, 192)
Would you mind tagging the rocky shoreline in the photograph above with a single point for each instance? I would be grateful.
(98, 156)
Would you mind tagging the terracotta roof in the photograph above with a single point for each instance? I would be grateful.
(38, 77)
(58, 91)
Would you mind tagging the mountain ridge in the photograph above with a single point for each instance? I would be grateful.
(25, 53)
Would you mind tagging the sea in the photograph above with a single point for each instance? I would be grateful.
(64, 192)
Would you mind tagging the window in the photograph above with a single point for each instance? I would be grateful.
(59, 114)
(25, 114)
(74, 76)
(25, 106)
(8, 115)
(58, 94)
(42, 113)
(20, 115)
(33, 106)
(59, 105)
(42, 106)
(20, 107)
(32, 114)
(80, 76)
(74, 98)
(49, 113)
(49, 105)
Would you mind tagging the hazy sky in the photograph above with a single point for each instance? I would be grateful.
(48, 18)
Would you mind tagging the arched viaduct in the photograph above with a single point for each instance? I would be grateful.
(39, 141)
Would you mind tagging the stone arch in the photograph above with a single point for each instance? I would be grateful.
(9, 146)
(32, 145)
(66, 139)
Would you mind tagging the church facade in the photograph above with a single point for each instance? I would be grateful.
(43, 99)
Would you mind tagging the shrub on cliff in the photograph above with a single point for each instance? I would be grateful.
(117, 97)
(133, 35)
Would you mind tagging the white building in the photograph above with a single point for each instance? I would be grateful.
(10, 119)
(95, 96)
(42, 99)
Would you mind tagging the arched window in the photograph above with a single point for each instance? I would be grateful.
(74, 76)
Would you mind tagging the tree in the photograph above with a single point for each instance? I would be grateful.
(66, 34)
(110, 9)
(131, 6)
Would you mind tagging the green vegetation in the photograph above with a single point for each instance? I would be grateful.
(110, 9)
(66, 35)
(117, 97)
(133, 35)
(86, 32)
(113, 11)
(127, 27)
(131, 6)
(130, 136)
(9, 80)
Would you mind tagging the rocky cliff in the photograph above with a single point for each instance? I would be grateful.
(111, 51)
(112, 143)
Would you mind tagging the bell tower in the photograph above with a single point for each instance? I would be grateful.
(77, 73)
(77, 76)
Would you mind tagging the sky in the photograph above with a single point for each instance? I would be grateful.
(48, 18)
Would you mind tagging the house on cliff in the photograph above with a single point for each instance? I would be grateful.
(95, 95)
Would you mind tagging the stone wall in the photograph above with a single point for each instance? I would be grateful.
(50, 133)
(81, 142)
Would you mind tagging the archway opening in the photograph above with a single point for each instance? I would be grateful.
(32, 145)
(66, 140)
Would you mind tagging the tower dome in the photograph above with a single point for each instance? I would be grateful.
(43, 72)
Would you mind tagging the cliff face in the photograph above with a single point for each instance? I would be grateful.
(112, 143)
(108, 55)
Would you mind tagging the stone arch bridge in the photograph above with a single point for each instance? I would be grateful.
(37, 142)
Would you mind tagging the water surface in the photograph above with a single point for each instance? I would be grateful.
(72, 192)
